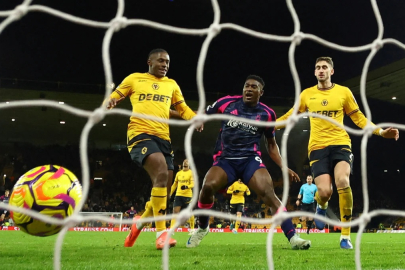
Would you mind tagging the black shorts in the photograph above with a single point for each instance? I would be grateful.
(237, 207)
(323, 161)
(181, 201)
(308, 207)
(243, 168)
(145, 144)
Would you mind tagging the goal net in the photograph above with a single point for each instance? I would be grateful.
(92, 220)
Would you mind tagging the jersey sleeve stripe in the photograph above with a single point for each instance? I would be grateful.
(119, 93)
(270, 112)
(178, 102)
(228, 97)
(352, 112)
(223, 106)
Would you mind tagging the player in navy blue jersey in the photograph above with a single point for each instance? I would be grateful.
(238, 156)
(131, 212)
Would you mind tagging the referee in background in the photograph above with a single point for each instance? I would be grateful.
(307, 197)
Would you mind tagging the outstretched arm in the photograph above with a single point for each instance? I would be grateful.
(112, 102)
(361, 121)
(274, 153)
(176, 115)
(123, 90)
(390, 133)
(301, 108)
(285, 116)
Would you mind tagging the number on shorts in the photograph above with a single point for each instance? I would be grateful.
(258, 159)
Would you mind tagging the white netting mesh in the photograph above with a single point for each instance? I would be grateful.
(119, 22)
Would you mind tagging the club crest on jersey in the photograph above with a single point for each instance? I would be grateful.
(324, 102)
(155, 86)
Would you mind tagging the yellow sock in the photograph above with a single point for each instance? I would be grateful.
(172, 222)
(158, 201)
(192, 224)
(148, 213)
(322, 204)
(237, 223)
(148, 210)
(346, 207)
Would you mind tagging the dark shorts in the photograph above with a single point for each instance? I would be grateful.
(148, 144)
(323, 161)
(308, 207)
(237, 207)
(181, 201)
(240, 168)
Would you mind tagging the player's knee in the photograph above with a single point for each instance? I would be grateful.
(342, 182)
(269, 193)
(208, 189)
(325, 194)
(160, 178)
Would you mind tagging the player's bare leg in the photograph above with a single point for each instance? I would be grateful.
(342, 172)
(322, 196)
(214, 180)
(262, 184)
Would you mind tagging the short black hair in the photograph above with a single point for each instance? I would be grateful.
(156, 51)
(327, 59)
(256, 78)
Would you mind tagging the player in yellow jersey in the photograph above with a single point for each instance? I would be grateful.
(329, 148)
(238, 190)
(184, 184)
(152, 94)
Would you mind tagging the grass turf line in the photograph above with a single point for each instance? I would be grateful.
(104, 250)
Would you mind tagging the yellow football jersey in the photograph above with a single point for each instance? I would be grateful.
(152, 96)
(334, 102)
(183, 178)
(240, 196)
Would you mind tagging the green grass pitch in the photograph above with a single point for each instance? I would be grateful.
(104, 250)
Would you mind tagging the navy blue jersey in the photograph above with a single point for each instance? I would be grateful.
(218, 146)
(131, 213)
(238, 139)
(4, 199)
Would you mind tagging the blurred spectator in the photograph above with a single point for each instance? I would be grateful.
(3, 212)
